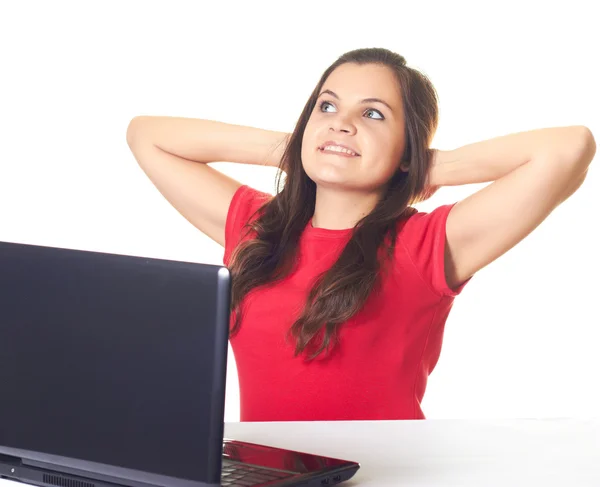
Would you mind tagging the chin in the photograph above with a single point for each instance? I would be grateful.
(331, 182)
(326, 176)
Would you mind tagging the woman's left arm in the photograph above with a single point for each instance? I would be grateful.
(533, 172)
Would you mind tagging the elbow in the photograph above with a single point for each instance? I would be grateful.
(586, 149)
(132, 130)
(575, 152)
(135, 128)
(573, 165)
(591, 143)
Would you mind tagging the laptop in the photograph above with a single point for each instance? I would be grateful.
(112, 373)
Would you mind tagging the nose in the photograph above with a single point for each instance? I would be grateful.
(342, 124)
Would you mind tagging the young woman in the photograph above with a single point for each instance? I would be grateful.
(340, 288)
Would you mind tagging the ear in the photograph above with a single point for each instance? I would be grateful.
(404, 166)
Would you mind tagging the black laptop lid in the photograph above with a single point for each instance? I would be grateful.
(113, 359)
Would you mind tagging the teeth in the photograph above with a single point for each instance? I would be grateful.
(336, 148)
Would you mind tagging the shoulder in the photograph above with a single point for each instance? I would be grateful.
(421, 238)
(243, 209)
(422, 224)
(420, 229)
(245, 202)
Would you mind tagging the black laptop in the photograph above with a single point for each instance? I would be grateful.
(112, 373)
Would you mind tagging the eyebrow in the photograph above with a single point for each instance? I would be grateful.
(366, 100)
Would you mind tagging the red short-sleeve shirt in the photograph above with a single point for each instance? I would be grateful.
(385, 353)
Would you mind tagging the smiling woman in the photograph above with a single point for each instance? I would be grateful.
(373, 126)
(341, 289)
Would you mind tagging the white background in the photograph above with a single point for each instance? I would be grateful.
(522, 339)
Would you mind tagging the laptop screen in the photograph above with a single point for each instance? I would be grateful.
(111, 359)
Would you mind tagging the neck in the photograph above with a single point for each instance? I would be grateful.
(339, 210)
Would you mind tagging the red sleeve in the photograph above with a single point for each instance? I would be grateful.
(424, 239)
(244, 203)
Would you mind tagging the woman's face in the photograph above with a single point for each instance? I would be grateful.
(347, 113)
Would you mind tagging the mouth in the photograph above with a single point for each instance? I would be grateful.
(334, 148)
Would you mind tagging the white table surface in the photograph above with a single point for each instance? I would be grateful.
(507, 453)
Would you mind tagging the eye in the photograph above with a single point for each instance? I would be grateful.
(371, 110)
(323, 103)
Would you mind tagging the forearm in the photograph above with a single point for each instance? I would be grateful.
(209, 141)
(494, 158)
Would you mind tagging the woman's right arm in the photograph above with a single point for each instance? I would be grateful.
(173, 152)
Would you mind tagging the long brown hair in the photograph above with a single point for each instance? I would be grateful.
(339, 293)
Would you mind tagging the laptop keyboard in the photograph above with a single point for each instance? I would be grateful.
(235, 474)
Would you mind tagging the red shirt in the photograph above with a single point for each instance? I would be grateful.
(379, 368)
